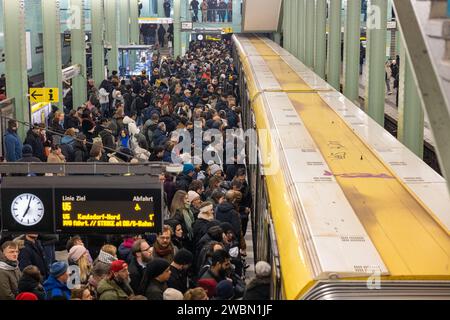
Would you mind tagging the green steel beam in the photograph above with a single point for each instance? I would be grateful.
(124, 17)
(287, 25)
(410, 111)
(301, 30)
(309, 31)
(237, 16)
(352, 50)
(277, 38)
(294, 28)
(177, 27)
(321, 41)
(98, 54)
(111, 21)
(16, 61)
(51, 28)
(334, 44)
(376, 84)
(134, 25)
(78, 48)
(160, 8)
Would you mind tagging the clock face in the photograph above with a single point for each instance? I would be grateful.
(27, 209)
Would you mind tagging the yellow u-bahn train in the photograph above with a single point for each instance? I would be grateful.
(343, 209)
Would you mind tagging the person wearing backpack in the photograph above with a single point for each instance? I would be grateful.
(68, 145)
(149, 129)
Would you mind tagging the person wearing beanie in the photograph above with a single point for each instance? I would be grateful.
(195, 203)
(179, 277)
(259, 287)
(75, 253)
(172, 294)
(27, 154)
(79, 255)
(117, 285)
(13, 144)
(202, 224)
(27, 296)
(224, 290)
(157, 273)
(215, 170)
(185, 179)
(56, 285)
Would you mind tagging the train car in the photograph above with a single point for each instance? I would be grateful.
(342, 209)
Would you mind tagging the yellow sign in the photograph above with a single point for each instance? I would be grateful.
(44, 95)
(211, 38)
(227, 30)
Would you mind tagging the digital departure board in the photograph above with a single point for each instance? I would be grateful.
(82, 204)
(115, 211)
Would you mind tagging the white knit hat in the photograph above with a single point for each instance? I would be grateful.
(172, 294)
(263, 269)
(192, 195)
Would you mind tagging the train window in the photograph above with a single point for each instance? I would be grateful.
(276, 285)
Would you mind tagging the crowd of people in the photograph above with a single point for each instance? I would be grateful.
(200, 253)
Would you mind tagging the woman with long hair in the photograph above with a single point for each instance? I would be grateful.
(78, 255)
(181, 211)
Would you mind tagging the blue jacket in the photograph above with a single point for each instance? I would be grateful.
(56, 290)
(13, 146)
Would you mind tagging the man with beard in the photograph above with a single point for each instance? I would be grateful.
(142, 254)
(220, 265)
(163, 247)
(9, 271)
(117, 285)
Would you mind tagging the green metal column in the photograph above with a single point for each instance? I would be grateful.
(294, 28)
(51, 28)
(134, 26)
(277, 38)
(111, 21)
(321, 41)
(124, 16)
(334, 44)
(287, 25)
(161, 8)
(177, 27)
(98, 54)
(78, 47)
(411, 115)
(309, 30)
(301, 30)
(352, 49)
(237, 15)
(376, 85)
(16, 61)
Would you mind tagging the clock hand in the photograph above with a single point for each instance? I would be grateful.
(28, 208)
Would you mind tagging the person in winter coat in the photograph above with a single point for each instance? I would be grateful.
(142, 254)
(156, 275)
(185, 179)
(56, 155)
(160, 135)
(81, 153)
(117, 285)
(259, 287)
(34, 140)
(68, 145)
(179, 266)
(33, 254)
(178, 237)
(107, 255)
(180, 210)
(108, 138)
(9, 271)
(163, 247)
(202, 224)
(27, 155)
(56, 284)
(12, 142)
(226, 212)
(30, 281)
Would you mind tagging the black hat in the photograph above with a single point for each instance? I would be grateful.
(226, 227)
(183, 257)
(156, 267)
